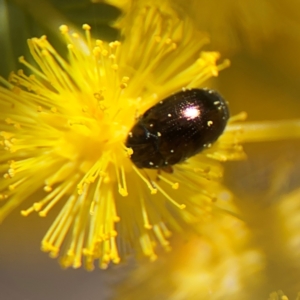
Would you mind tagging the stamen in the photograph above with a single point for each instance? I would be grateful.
(121, 182)
(207, 69)
(114, 255)
(53, 198)
(3, 196)
(73, 257)
(124, 82)
(166, 231)
(224, 65)
(27, 212)
(124, 180)
(28, 65)
(242, 116)
(174, 185)
(17, 183)
(87, 29)
(147, 224)
(76, 263)
(90, 175)
(127, 151)
(148, 182)
(63, 191)
(180, 206)
(160, 236)
(22, 165)
(92, 207)
(64, 29)
(6, 83)
(147, 246)
(59, 228)
(218, 156)
(267, 130)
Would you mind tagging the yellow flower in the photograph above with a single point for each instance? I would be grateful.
(219, 263)
(286, 213)
(281, 296)
(241, 24)
(234, 24)
(63, 130)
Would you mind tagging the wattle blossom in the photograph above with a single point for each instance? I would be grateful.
(63, 128)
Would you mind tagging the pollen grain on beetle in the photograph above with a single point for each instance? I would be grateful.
(63, 129)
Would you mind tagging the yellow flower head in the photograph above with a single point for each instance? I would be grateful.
(287, 214)
(234, 24)
(63, 130)
(220, 263)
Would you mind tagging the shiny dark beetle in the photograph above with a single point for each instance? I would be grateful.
(177, 128)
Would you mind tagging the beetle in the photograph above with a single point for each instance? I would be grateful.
(176, 128)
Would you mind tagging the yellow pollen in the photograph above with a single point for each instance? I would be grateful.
(11, 172)
(27, 212)
(123, 85)
(3, 196)
(104, 52)
(99, 96)
(7, 135)
(173, 46)
(99, 42)
(75, 35)
(47, 188)
(86, 27)
(17, 183)
(115, 67)
(64, 29)
(157, 39)
(168, 41)
(174, 185)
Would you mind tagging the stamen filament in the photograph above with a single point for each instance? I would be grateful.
(268, 130)
(152, 189)
(180, 206)
(147, 224)
(120, 179)
(59, 192)
(174, 185)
